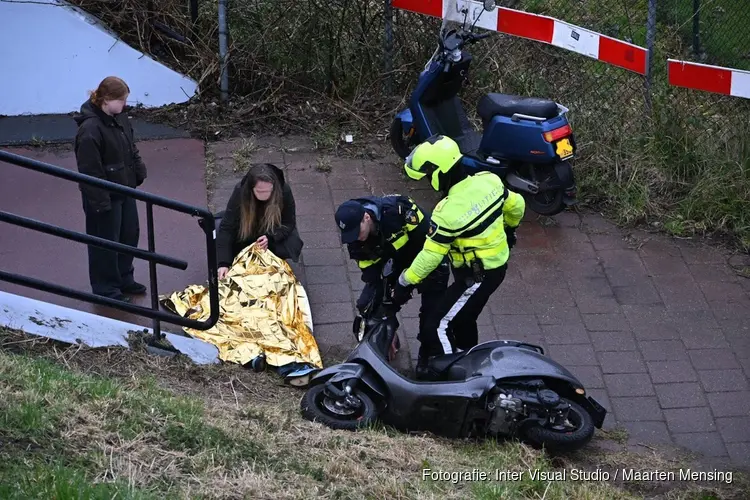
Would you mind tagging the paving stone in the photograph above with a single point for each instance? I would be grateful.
(573, 355)
(680, 395)
(590, 376)
(621, 362)
(707, 273)
(315, 223)
(588, 304)
(322, 256)
(642, 294)
(689, 419)
(665, 372)
(708, 444)
(564, 334)
(323, 275)
(613, 341)
(613, 322)
(556, 315)
(706, 339)
(723, 292)
(700, 254)
(680, 293)
(322, 239)
(663, 350)
(733, 310)
(332, 312)
(332, 292)
(647, 432)
(739, 452)
(334, 334)
(713, 359)
(729, 404)
(515, 325)
(723, 380)
(734, 429)
(316, 206)
(663, 264)
(638, 409)
(629, 385)
(517, 302)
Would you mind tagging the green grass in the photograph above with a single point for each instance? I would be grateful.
(88, 424)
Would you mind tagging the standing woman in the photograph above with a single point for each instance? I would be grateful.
(261, 210)
(105, 148)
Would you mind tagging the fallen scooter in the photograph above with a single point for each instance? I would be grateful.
(498, 388)
(528, 142)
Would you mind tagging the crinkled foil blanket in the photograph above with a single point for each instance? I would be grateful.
(263, 310)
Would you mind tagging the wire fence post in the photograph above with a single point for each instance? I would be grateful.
(650, 36)
(388, 53)
(696, 28)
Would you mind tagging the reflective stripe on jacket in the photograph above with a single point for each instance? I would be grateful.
(470, 223)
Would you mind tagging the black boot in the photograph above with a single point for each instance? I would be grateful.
(423, 370)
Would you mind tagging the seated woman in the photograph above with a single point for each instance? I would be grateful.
(261, 210)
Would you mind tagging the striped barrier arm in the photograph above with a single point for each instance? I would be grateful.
(536, 27)
(716, 79)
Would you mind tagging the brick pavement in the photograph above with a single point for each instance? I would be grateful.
(658, 329)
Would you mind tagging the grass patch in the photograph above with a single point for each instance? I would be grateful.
(81, 423)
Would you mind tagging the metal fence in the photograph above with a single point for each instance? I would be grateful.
(206, 222)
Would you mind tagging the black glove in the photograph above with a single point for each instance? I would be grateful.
(401, 295)
(510, 234)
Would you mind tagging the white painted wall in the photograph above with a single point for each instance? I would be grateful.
(52, 54)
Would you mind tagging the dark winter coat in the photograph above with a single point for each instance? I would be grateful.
(228, 245)
(105, 148)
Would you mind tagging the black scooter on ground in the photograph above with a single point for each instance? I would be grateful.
(503, 388)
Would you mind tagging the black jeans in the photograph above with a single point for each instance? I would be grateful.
(110, 271)
(452, 323)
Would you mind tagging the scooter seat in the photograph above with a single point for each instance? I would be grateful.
(492, 105)
(441, 364)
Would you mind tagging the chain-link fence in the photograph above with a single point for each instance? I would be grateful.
(644, 145)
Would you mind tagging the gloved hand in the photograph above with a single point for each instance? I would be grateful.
(510, 234)
(402, 294)
(402, 291)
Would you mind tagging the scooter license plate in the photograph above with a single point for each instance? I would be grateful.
(564, 149)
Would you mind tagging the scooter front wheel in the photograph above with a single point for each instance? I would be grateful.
(399, 141)
(354, 412)
(571, 437)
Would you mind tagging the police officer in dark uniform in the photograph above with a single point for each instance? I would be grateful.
(378, 228)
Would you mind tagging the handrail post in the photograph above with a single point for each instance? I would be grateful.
(153, 286)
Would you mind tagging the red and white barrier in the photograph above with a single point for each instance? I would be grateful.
(536, 27)
(727, 81)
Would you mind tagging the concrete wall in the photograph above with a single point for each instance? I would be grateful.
(51, 54)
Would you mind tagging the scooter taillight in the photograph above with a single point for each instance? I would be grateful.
(558, 133)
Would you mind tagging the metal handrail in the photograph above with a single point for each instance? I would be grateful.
(150, 255)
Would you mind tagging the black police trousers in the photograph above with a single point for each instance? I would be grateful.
(110, 271)
(452, 322)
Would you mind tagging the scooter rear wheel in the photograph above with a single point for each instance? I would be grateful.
(547, 203)
(317, 406)
(564, 440)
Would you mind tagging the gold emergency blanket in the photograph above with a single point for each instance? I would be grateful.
(263, 310)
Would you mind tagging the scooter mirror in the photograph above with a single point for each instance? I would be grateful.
(388, 268)
(489, 5)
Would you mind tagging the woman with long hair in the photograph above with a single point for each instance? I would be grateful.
(261, 210)
(105, 148)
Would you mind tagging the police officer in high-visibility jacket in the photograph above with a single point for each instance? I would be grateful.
(475, 226)
(378, 228)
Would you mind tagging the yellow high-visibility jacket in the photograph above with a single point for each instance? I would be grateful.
(470, 224)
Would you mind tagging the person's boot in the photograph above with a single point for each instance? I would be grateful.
(423, 371)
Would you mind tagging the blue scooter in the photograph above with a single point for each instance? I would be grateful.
(526, 141)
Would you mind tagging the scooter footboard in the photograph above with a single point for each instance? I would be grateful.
(346, 371)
